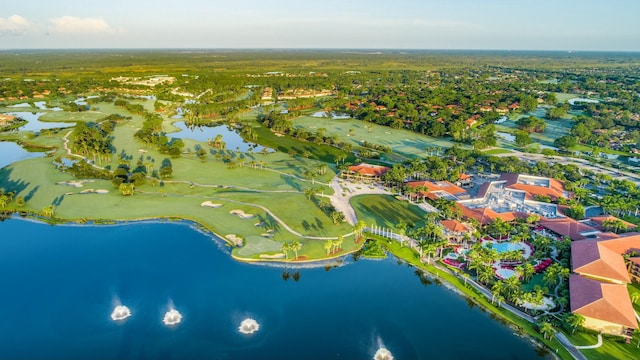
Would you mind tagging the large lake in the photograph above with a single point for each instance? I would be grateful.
(60, 283)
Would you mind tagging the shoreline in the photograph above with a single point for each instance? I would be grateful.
(227, 247)
(194, 224)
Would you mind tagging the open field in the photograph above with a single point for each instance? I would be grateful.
(404, 143)
(386, 211)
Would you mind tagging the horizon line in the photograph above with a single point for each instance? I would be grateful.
(343, 49)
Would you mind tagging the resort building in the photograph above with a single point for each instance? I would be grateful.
(454, 230)
(605, 307)
(598, 288)
(364, 172)
(534, 186)
(437, 189)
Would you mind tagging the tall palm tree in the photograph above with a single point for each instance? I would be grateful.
(328, 246)
(296, 246)
(526, 271)
(547, 330)
(285, 249)
(497, 289)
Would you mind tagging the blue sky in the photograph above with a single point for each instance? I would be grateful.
(406, 24)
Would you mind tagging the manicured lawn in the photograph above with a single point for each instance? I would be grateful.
(386, 210)
(497, 151)
(612, 348)
(64, 116)
(404, 143)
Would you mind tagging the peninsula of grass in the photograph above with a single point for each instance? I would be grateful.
(269, 188)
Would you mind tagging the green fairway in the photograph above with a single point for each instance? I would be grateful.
(65, 116)
(404, 143)
(386, 211)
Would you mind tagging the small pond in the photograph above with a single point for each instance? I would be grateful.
(34, 123)
(203, 133)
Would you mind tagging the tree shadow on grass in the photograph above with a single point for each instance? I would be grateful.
(15, 186)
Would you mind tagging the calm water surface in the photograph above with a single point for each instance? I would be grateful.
(232, 139)
(60, 284)
(11, 152)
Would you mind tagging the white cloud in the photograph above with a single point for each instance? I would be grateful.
(76, 25)
(13, 25)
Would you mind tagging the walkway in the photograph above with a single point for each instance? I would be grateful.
(597, 345)
(344, 190)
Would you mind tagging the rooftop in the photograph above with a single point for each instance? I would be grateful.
(603, 301)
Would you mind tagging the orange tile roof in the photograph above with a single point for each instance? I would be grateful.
(464, 176)
(602, 301)
(369, 169)
(454, 225)
(567, 226)
(486, 215)
(592, 258)
(438, 186)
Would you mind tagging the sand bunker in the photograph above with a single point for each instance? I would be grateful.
(210, 204)
(92, 191)
(267, 235)
(236, 240)
(74, 183)
(241, 214)
(274, 256)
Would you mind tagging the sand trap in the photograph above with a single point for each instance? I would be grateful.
(210, 204)
(74, 183)
(259, 224)
(241, 214)
(274, 256)
(92, 191)
(267, 235)
(236, 240)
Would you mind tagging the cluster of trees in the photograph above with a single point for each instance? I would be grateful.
(94, 140)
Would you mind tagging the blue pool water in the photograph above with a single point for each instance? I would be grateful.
(60, 283)
(505, 247)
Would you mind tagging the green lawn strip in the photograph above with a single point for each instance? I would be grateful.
(497, 151)
(613, 347)
(526, 327)
(65, 116)
(385, 210)
(288, 145)
(401, 141)
(537, 279)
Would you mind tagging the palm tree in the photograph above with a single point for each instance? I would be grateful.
(512, 286)
(285, 249)
(296, 246)
(338, 242)
(328, 246)
(359, 228)
(49, 211)
(547, 330)
(526, 271)
(497, 289)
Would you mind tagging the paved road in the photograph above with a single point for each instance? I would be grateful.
(582, 163)
(570, 347)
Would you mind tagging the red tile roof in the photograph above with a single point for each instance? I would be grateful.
(369, 169)
(454, 226)
(602, 301)
(594, 259)
(567, 227)
(438, 186)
